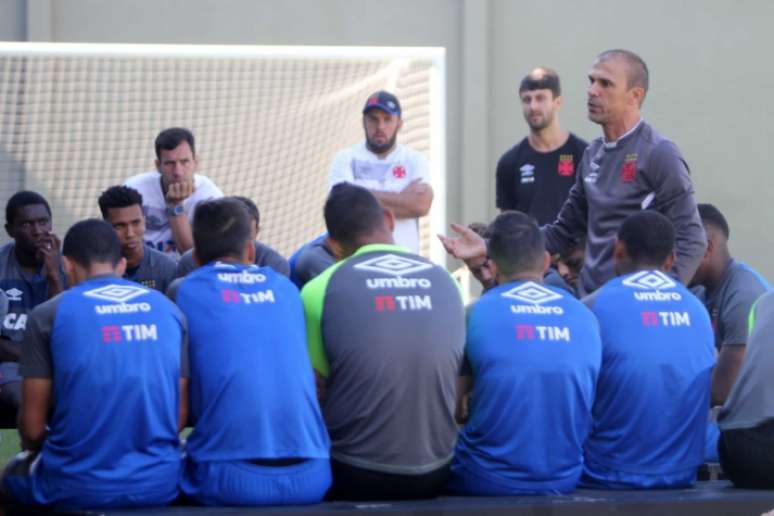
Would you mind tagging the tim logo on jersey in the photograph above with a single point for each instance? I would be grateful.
(650, 286)
(118, 295)
(395, 267)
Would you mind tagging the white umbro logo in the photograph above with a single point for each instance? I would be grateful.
(14, 294)
(649, 280)
(116, 293)
(531, 292)
(393, 264)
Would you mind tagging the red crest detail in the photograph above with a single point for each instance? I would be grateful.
(628, 171)
(374, 99)
(399, 172)
(566, 167)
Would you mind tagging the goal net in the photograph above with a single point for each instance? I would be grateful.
(77, 118)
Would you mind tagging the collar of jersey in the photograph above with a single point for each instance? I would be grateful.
(371, 248)
(612, 145)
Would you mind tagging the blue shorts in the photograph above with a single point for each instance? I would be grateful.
(247, 484)
(597, 476)
(466, 481)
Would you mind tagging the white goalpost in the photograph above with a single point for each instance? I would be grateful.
(78, 118)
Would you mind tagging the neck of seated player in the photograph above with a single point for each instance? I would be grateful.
(78, 273)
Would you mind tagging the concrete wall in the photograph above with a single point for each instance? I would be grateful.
(708, 60)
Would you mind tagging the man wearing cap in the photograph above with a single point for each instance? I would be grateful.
(397, 175)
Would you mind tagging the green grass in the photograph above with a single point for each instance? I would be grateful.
(9, 445)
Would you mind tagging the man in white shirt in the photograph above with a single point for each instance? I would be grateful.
(171, 192)
(397, 175)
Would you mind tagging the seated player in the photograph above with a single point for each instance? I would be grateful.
(310, 260)
(258, 437)
(652, 399)
(121, 207)
(533, 355)
(731, 288)
(746, 445)
(104, 387)
(30, 273)
(569, 264)
(265, 256)
(386, 332)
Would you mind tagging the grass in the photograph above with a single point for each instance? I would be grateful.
(9, 445)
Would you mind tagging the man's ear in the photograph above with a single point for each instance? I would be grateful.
(400, 125)
(158, 165)
(9, 231)
(619, 251)
(389, 219)
(546, 261)
(196, 259)
(638, 95)
(248, 255)
(336, 248)
(669, 262)
(120, 267)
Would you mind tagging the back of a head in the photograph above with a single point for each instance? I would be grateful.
(252, 209)
(711, 216)
(118, 197)
(516, 244)
(92, 241)
(221, 228)
(541, 79)
(170, 138)
(649, 238)
(21, 199)
(638, 74)
(351, 214)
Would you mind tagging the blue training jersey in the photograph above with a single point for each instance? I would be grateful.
(535, 354)
(252, 386)
(652, 403)
(116, 365)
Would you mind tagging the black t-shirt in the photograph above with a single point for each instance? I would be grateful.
(535, 182)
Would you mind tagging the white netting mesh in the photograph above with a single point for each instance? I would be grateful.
(265, 127)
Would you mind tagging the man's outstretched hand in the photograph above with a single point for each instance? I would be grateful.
(468, 246)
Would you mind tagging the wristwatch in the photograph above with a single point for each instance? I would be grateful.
(174, 211)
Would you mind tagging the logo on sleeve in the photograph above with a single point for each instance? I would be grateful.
(118, 295)
(629, 168)
(527, 173)
(653, 282)
(536, 296)
(14, 294)
(566, 165)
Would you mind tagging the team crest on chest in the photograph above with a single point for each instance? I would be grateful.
(399, 171)
(566, 165)
(629, 168)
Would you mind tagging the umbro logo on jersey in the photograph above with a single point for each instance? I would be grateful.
(393, 264)
(14, 294)
(653, 282)
(527, 173)
(116, 293)
(649, 280)
(531, 292)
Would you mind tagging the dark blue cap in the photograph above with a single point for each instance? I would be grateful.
(383, 100)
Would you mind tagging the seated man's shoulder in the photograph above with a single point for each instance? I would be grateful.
(265, 256)
(143, 179)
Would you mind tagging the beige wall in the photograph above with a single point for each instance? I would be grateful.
(710, 72)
